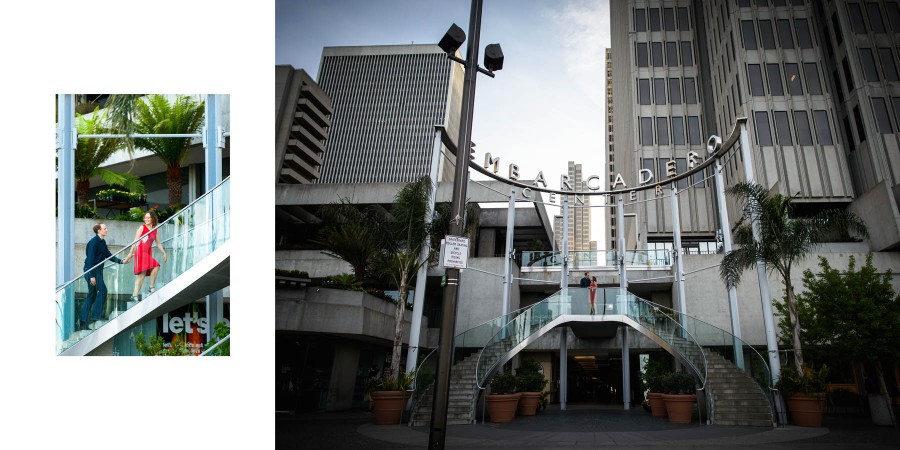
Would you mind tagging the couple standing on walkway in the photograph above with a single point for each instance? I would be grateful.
(591, 283)
(144, 264)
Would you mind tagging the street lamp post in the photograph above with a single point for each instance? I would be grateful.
(493, 61)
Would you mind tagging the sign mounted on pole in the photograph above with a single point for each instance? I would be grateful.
(456, 252)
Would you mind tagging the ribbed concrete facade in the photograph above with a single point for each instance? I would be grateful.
(818, 82)
(387, 100)
(579, 226)
(302, 120)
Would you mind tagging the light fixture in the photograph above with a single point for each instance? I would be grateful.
(493, 57)
(453, 39)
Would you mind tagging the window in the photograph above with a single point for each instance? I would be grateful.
(649, 164)
(744, 3)
(801, 124)
(785, 38)
(690, 91)
(656, 53)
(662, 131)
(811, 73)
(874, 13)
(643, 57)
(782, 128)
(763, 133)
(643, 91)
(661, 169)
(804, 39)
(840, 90)
(669, 19)
(887, 64)
(823, 129)
(870, 73)
(678, 130)
(640, 19)
(659, 91)
(684, 21)
(699, 179)
(675, 91)
(756, 83)
(762, 2)
(773, 72)
(694, 130)
(856, 18)
(680, 168)
(860, 128)
(792, 75)
(848, 76)
(896, 102)
(847, 129)
(646, 131)
(654, 19)
(893, 15)
(672, 54)
(687, 54)
(838, 37)
(766, 34)
(748, 33)
(882, 119)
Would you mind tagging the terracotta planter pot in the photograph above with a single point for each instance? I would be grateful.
(680, 407)
(528, 404)
(502, 407)
(806, 409)
(657, 404)
(388, 406)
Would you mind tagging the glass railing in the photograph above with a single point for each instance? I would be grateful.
(594, 258)
(187, 237)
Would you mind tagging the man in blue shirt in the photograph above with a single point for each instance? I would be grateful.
(586, 281)
(95, 253)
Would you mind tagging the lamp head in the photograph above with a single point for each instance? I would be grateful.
(713, 144)
(493, 57)
(453, 39)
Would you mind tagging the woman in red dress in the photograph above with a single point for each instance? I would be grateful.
(593, 291)
(144, 264)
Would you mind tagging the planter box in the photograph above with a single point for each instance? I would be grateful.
(388, 406)
(528, 404)
(657, 404)
(680, 407)
(806, 409)
(502, 407)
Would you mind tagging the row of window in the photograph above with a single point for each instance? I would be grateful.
(882, 118)
(668, 17)
(659, 166)
(661, 126)
(652, 53)
(792, 79)
(875, 17)
(870, 67)
(767, 34)
(766, 3)
(786, 133)
(675, 90)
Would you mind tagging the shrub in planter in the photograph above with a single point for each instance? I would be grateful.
(502, 401)
(530, 382)
(389, 397)
(804, 394)
(679, 397)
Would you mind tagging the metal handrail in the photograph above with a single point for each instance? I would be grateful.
(215, 345)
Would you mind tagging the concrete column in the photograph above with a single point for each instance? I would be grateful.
(725, 227)
(66, 140)
(563, 366)
(626, 369)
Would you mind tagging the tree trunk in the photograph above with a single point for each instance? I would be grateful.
(173, 182)
(83, 189)
(887, 395)
(795, 322)
(398, 328)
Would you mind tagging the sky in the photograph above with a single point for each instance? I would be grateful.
(546, 107)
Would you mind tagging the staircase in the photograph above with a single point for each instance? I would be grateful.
(737, 398)
(460, 404)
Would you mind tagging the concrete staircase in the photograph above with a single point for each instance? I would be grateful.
(460, 405)
(737, 398)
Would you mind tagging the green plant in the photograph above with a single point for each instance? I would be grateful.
(503, 383)
(156, 346)
(85, 212)
(343, 281)
(678, 383)
(291, 273)
(402, 382)
(809, 382)
(529, 378)
(654, 371)
(224, 349)
(111, 194)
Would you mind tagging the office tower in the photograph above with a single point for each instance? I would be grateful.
(302, 120)
(817, 81)
(610, 149)
(387, 101)
(579, 212)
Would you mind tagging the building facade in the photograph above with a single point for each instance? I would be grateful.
(302, 120)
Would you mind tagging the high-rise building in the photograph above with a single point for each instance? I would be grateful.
(302, 120)
(387, 101)
(818, 82)
(610, 148)
(579, 223)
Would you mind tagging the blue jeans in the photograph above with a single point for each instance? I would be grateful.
(96, 298)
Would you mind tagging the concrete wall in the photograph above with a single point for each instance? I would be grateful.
(313, 262)
(343, 376)
(481, 294)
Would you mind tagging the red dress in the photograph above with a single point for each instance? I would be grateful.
(143, 256)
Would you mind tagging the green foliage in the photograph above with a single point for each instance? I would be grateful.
(654, 371)
(91, 153)
(224, 349)
(291, 273)
(529, 378)
(85, 212)
(155, 346)
(343, 281)
(678, 383)
(116, 194)
(809, 382)
(403, 382)
(503, 383)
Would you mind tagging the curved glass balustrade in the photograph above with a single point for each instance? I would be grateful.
(594, 258)
(187, 237)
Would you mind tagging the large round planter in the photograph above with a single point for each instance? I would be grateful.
(388, 406)
(806, 409)
(680, 407)
(657, 404)
(529, 402)
(502, 407)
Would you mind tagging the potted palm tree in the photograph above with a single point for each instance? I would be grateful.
(679, 397)
(804, 394)
(503, 400)
(531, 383)
(389, 395)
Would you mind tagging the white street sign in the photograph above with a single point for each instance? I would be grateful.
(456, 252)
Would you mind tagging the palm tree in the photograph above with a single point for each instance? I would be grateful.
(92, 152)
(351, 234)
(121, 111)
(785, 239)
(155, 115)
